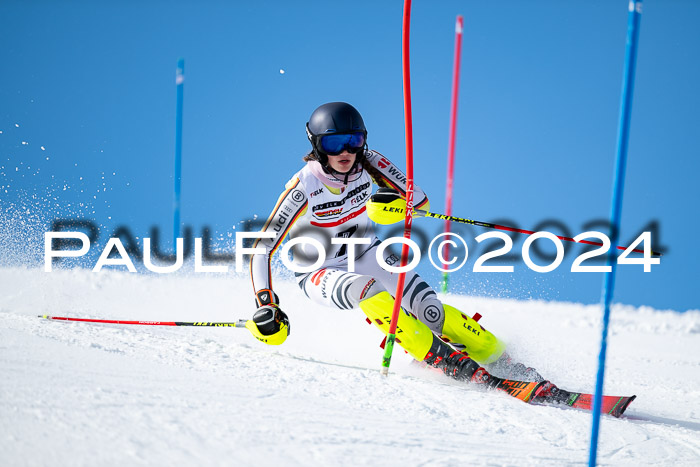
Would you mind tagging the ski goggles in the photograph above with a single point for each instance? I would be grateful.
(335, 144)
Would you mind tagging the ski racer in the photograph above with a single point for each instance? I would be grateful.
(330, 198)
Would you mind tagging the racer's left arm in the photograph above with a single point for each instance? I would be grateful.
(395, 178)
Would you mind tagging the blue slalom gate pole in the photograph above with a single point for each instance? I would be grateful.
(635, 11)
(179, 82)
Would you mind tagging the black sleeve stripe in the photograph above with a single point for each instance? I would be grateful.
(410, 284)
(289, 226)
(419, 288)
(281, 199)
(340, 291)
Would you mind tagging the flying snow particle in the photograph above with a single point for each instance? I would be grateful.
(281, 71)
(43, 148)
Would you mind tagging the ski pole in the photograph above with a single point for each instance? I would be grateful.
(387, 206)
(422, 213)
(237, 324)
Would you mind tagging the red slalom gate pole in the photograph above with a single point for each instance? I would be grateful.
(391, 337)
(459, 25)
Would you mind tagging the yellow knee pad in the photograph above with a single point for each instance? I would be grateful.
(414, 336)
(481, 345)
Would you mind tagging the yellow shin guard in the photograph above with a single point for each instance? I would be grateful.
(480, 344)
(414, 336)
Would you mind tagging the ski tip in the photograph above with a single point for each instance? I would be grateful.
(629, 401)
(622, 406)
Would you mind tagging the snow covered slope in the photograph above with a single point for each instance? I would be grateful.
(82, 394)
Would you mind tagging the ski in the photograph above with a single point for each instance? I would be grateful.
(545, 393)
(611, 405)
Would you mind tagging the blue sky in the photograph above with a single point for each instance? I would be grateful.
(92, 83)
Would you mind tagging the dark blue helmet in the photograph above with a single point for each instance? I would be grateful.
(332, 118)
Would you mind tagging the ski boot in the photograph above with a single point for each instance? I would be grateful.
(460, 366)
(457, 365)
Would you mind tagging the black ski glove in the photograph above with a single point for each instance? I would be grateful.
(386, 195)
(269, 318)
